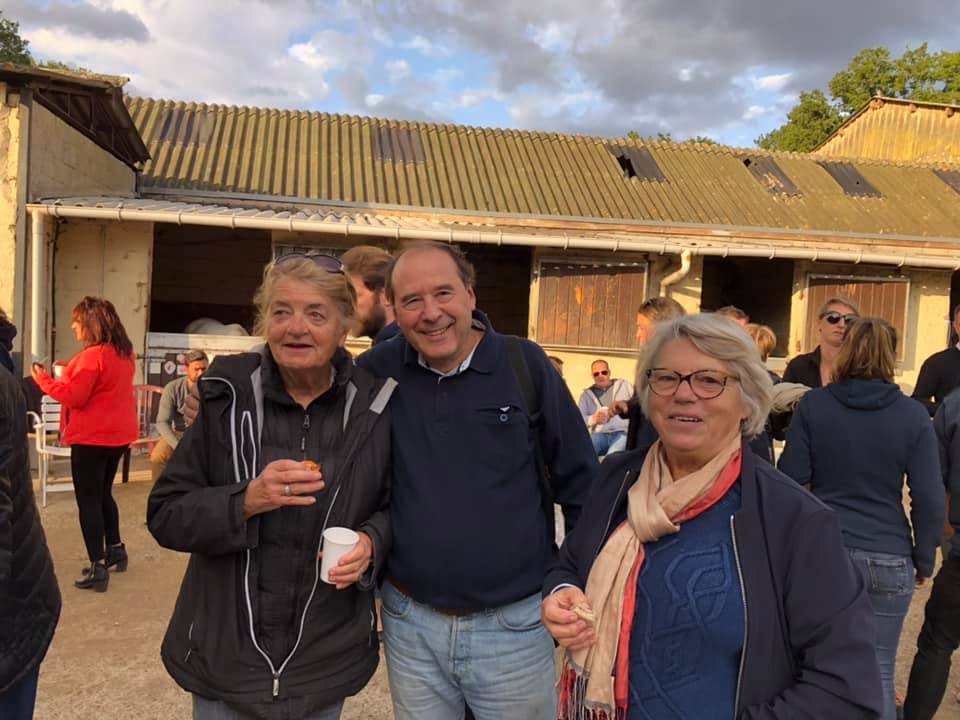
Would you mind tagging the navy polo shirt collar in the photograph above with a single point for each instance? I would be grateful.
(482, 359)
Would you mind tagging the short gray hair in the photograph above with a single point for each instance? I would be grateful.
(725, 340)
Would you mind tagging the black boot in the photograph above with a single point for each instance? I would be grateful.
(117, 557)
(94, 577)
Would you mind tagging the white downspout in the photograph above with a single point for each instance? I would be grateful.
(38, 285)
(678, 275)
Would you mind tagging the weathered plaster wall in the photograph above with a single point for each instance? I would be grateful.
(64, 162)
(105, 259)
(12, 221)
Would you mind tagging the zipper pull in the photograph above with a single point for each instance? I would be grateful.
(276, 685)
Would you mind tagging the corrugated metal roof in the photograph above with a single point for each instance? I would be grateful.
(898, 130)
(320, 157)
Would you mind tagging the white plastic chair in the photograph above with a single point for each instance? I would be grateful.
(46, 426)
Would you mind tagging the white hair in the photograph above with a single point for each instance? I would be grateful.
(722, 339)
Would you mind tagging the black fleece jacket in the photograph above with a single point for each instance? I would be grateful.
(231, 638)
(29, 595)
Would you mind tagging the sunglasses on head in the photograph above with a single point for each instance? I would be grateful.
(600, 373)
(327, 262)
(833, 317)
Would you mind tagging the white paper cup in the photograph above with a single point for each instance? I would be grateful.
(337, 542)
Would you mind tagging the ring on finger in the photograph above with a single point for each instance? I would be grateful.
(286, 491)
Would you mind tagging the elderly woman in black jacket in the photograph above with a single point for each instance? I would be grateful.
(255, 632)
(699, 581)
(29, 595)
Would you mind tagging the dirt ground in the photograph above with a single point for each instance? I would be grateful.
(104, 663)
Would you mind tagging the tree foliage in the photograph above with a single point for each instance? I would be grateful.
(13, 48)
(916, 75)
(668, 137)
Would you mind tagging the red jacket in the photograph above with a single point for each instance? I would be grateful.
(96, 392)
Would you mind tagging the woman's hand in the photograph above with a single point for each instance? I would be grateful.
(353, 565)
(37, 371)
(282, 483)
(920, 580)
(563, 623)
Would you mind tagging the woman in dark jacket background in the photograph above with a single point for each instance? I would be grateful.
(699, 581)
(853, 441)
(29, 595)
(255, 633)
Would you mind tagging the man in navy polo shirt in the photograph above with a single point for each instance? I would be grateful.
(471, 544)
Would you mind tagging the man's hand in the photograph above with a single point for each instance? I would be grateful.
(191, 408)
(282, 483)
(353, 565)
(920, 581)
(600, 417)
(563, 623)
(620, 408)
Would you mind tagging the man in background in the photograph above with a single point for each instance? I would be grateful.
(366, 266)
(170, 419)
(608, 431)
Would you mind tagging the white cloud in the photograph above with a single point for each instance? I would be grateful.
(373, 99)
(553, 36)
(397, 70)
(425, 46)
(754, 111)
(773, 83)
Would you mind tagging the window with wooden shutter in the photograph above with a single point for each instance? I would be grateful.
(876, 297)
(590, 303)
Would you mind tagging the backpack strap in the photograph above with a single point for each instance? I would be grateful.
(531, 398)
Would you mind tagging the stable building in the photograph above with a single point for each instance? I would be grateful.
(569, 233)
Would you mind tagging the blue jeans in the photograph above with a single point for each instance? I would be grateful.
(607, 443)
(204, 709)
(501, 662)
(889, 580)
(18, 701)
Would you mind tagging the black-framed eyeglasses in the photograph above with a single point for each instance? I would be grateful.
(833, 317)
(705, 384)
(601, 373)
(327, 262)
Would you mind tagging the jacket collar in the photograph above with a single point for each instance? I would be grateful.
(387, 332)
(485, 355)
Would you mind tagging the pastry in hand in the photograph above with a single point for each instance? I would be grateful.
(311, 465)
(584, 612)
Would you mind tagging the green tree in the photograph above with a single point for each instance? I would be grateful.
(13, 48)
(915, 75)
(668, 137)
(811, 121)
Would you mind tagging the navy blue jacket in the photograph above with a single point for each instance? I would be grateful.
(946, 423)
(809, 642)
(853, 441)
(469, 530)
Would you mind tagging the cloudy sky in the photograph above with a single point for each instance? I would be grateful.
(729, 69)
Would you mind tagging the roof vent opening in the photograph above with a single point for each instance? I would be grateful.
(637, 163)
(398, 144)
(850, 179)
(769, 174)
(950, 177)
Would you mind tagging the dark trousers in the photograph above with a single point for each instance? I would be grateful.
(939, 637)
(93, 468)
(18, 701)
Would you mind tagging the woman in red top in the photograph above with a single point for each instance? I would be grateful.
(96, 392)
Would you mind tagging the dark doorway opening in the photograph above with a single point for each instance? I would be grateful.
(503, 285)
(205, 272)
(760, 287)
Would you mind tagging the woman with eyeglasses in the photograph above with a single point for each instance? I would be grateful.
(815, 369)
(853, 442)
(700, 582)
(290, 440)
